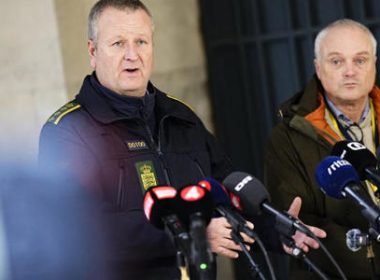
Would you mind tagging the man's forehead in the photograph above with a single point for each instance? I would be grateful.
(123, 11)
(350, 40)
(114, 16)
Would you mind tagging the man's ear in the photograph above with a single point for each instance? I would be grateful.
(317, 67)
(91, 46)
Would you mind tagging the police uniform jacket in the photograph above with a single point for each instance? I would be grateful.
(118, 156)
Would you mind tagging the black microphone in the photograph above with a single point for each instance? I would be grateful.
(193, 200)
(255, 198)
(338, 178)
(362, 159)
(195, 209)
(223, 205)
(159, 208)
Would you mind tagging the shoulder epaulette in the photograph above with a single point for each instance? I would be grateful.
(180, 101)
(63, 111)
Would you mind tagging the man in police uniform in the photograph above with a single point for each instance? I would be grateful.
(121, 135)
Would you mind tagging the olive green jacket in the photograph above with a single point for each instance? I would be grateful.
(295, 148)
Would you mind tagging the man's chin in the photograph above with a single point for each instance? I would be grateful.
(133, 91)
(352, 95)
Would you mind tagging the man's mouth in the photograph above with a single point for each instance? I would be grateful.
(131, 70)
(350, 84)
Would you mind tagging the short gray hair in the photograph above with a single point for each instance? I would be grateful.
(101, 5)
(341, 23)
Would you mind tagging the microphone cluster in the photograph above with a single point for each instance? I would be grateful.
(185, 213)
(340, 176)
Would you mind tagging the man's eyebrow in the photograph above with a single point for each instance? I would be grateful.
(363, 53)
(333, 53)
(338, 53)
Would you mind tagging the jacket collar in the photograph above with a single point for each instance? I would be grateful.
(309, 106)
(95, 102)
(303, 102)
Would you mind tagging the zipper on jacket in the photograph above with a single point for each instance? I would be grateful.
(199, 167)
(157, 148)
(120, 187)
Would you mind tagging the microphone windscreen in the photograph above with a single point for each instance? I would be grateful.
(159, 202)
(250, 190)
(356, 154)
(191, 200)
(218, 192)
(333, 174)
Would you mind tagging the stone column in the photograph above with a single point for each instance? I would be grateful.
(31, 74)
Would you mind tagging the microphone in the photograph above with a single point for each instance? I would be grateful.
(159, 204)
(195, 209)
(193, 200)
(355, 239)
(362, 159)
(255, 198)
(338, 178)
(222, 204)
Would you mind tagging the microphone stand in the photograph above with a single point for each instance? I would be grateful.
(371, 257)
(254, 269)
(182, 242)
(237, 223)
(299, 254)
(181, 263)
(370, 254)
(287, 230)
(374, 178)
(202, 259)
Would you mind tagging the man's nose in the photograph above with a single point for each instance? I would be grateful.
(350, 69)
(130, 52)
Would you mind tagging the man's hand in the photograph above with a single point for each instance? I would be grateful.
(301, 240)
(219, 237)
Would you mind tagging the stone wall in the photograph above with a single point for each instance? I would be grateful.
(31, 74)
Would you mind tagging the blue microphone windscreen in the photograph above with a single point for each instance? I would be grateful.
(218, 192)
(333, 174)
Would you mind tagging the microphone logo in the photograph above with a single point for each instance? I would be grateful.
(157, 193)
(205, 184)
(148, 204)
(243, 182)
(192, 193)
(164, 192)
(356, 146)
(336, 164)
(235, 201)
